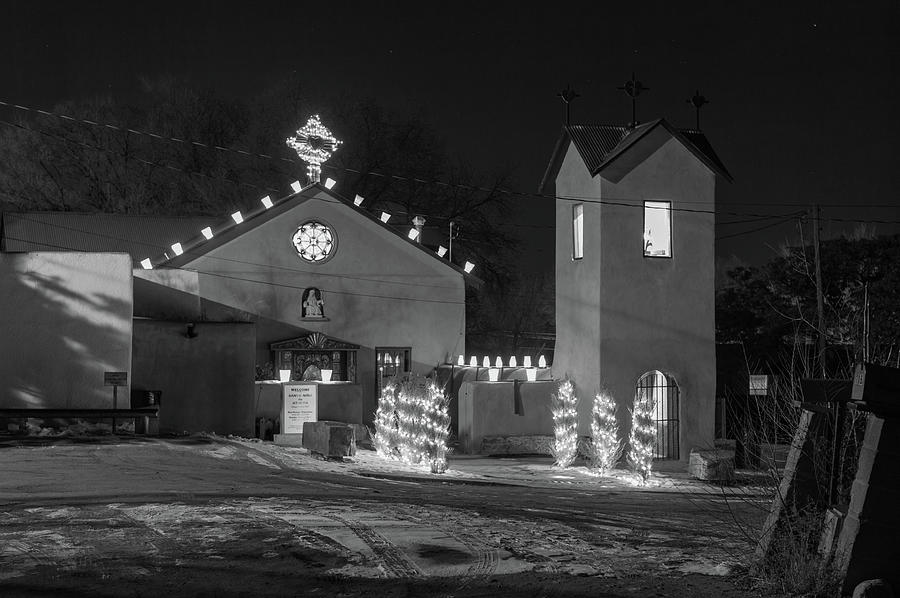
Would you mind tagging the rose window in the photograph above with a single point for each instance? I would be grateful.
(314, 241)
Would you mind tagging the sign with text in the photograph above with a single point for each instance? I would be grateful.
(115, 378)
(299, 404)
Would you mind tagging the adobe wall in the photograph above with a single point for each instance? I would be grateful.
(206, 382)
(66, 319)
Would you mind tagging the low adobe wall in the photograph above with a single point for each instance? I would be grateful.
(508, 408)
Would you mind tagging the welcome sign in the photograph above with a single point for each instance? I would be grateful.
(300, 403)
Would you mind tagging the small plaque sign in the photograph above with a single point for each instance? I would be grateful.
(300, 403)
(115, 378)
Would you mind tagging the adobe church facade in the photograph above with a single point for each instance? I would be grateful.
(635, 265)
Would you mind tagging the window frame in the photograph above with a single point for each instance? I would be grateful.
(577, 249)
(671, 249)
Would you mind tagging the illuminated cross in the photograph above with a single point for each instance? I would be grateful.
(314, 144)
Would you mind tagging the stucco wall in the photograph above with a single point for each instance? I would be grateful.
(578, 287)
(66, 319)
(206, 381)
(659, 313)
(378, 290)
(490, 409)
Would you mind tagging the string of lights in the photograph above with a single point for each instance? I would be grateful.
(610, 201)
(162, 249)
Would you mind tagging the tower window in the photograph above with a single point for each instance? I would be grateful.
(657, 229)
(578, 231)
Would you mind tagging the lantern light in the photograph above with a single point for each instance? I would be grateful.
(542, 363)
(326, 375)
(486, 362)
(146, 264)
(493, 374)
(385, 216)
(176, 247)
(357, 201)
(461, 360)
(284, 375)
(473, 362)
(527, 361)
(441, 251)
(413, 233)
(237, 217)
(469, 266)
(512, 361)
(498, 363)
(330, 182)
(296, 186)
(531, 374)
(207, 232)
(266, 201)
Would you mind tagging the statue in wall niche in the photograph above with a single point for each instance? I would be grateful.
(312, 306)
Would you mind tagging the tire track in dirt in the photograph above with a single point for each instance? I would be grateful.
(485, 557)
(394, 561)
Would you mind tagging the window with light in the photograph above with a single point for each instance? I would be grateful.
(578, 231)
(657, 229)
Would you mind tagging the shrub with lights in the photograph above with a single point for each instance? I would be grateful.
(642, 440)
(412, 423)
(565, 424)
(386, 437)
(605, 448)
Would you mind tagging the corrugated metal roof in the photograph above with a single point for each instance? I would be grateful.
(140, 236)
(600, 144)
(595, 142)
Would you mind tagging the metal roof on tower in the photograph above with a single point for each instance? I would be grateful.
(598, 145)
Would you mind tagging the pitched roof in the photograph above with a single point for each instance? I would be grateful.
(600, 145)
(152, 236)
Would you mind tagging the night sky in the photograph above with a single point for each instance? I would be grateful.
(802, 94)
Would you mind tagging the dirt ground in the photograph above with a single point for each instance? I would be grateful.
(210, 516)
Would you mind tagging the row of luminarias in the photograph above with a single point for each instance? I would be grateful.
(266, 201)
(494, 372)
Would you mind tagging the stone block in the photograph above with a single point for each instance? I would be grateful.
(711, 465)
(516, 445)
(329, 439)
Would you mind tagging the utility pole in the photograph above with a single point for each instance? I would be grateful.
(450, 257)
(820, 300)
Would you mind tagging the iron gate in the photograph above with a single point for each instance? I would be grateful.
(664, 392)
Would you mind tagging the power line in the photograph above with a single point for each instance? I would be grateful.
(611, 201)
(264, 282)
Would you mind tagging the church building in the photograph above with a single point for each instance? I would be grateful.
(309, 287)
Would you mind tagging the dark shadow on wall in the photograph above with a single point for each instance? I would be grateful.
(204, 373)
(66, 320)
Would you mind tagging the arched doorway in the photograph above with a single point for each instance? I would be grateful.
(663, 389)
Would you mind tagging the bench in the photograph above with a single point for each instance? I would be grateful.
(143, 414)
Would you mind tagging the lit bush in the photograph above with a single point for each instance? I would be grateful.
(565, 425)
(605, 448)
(642, 440)
(386, 437)
(412, 423)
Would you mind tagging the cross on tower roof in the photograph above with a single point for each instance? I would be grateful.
(633, 88)
(698, 101)
(567, 95)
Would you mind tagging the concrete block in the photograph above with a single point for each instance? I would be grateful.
(329, 439)
(711, 465)
(516, 445)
